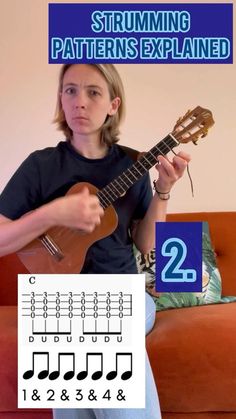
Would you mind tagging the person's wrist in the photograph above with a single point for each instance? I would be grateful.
(52, 213)
(163, 195)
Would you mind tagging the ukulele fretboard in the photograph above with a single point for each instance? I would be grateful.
(122, 183)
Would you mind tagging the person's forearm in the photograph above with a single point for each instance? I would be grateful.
(144, 235)
(16, 234)
(80, 211)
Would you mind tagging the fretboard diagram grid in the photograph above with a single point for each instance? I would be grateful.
(56, 313)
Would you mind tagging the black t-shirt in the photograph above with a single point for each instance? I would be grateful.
(49, 173)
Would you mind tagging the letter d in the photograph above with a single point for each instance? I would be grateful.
(224, 48)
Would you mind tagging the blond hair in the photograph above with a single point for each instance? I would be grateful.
(110, 129)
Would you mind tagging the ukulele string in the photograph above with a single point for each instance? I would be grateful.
(189, 176)
(188, 171)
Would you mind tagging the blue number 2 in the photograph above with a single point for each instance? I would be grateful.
(177, 249)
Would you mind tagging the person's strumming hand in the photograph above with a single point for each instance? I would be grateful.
(80, 210)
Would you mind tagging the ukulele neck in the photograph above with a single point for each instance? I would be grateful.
(123, 182)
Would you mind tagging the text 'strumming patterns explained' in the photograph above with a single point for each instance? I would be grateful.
(141, 33)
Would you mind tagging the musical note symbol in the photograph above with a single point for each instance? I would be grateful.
(126, 374)
(42, 374)
(69, 374)
(97, 374)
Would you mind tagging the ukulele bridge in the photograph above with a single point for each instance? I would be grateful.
(51, 247)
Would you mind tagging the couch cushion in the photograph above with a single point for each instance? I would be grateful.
(8, 365)
(192, 353)
(167, 300)
(211, 280)
(223, 235)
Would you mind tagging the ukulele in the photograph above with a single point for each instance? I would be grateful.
(63, 250)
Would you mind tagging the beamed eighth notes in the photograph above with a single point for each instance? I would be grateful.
(93, 366)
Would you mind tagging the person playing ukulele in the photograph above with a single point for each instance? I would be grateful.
(90, 107)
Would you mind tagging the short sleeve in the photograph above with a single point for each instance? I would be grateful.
(22, 192)
(145, 197)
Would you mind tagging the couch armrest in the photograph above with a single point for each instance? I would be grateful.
(10, 267)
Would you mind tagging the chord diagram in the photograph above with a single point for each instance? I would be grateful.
(77, 335)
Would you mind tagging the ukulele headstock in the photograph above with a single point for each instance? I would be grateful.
(193, 125)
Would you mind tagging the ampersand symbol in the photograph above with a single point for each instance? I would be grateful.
(35, 395)
(120, 395)
(91, 395)
(64, 395)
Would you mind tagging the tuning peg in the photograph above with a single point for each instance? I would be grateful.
(187, 113)
(183, 118)
(204, 134)
(179, 120)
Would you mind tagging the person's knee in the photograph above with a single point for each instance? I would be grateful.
(150, 313)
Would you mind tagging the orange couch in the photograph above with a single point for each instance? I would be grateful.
(192, 350)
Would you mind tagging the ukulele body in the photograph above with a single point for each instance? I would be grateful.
(63, 250)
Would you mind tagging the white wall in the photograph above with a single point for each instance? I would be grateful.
(156, 96)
